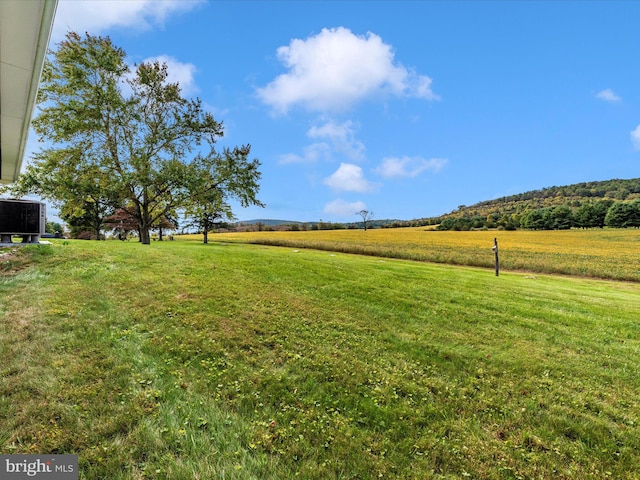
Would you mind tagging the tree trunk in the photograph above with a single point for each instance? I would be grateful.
(96, 224)
(144, 220)
(205, 229)
(145, 238)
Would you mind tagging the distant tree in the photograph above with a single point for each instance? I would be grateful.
(600, 212)
(592, 214)
(560, 218)
(53, 227)
(624, 215)
(366, 216)
(454, 223)
(86, 215)
(491, 220)
(217, 179)
(446, 224)
(618, 215)
(534, 220)
(548, 218)
(122, 222)
(165, 223)
(206, 221)
(635, 222)
(477, 221)
(585, 215)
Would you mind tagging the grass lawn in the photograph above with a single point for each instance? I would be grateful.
(184, 361)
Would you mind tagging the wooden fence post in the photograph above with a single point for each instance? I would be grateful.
(495, 250)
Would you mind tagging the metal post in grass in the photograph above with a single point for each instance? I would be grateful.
(495, 250)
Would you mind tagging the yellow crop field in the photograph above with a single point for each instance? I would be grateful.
(606, 253)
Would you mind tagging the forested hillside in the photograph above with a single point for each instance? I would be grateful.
(613, 203)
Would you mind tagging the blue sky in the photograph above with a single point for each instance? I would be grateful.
(404, 108)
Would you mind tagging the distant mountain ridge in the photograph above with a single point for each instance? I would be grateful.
(315, 225)
(268, 221)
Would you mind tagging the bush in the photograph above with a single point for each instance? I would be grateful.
(86, 235)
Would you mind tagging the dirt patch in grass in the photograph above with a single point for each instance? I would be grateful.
(9, 261)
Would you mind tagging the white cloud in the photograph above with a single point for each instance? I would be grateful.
(635, 138)
(342, 138)
(182, 73)
(350, 178)
(335, 68)
(96, 16)
(311, 153)
(342, 208)
(395, 167)
(608, 95)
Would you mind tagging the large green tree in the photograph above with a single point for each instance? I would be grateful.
(132, 127)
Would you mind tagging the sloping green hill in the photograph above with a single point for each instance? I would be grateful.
(587, 191)
(574, 203)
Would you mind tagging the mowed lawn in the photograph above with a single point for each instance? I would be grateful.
(601, 253)
(182, 360)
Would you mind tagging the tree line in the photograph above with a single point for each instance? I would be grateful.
(123, 146)
(590, 214)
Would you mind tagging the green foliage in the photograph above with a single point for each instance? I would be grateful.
(54, 227)
(592, 214)
(549, 218)
(217, 178)
(612, 189)
(117, 150)
(561, 217)
(623, 215)
(583, 205)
